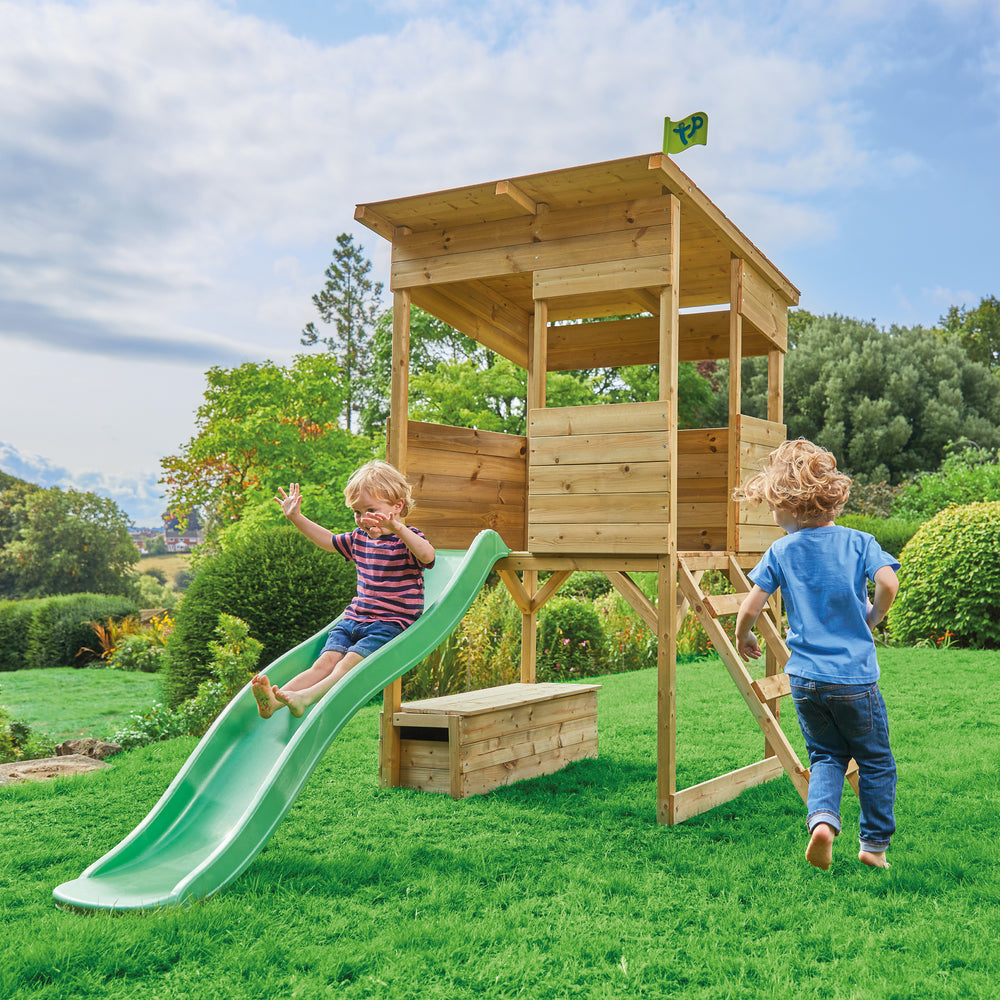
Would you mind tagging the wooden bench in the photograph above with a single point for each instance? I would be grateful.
(470, 743)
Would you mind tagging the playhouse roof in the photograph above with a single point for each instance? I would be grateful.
(468, 254)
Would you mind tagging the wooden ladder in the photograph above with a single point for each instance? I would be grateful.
(762, 696)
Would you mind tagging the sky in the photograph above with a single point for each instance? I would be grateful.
(174, 173)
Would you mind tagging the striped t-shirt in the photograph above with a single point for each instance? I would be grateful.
(390, 577)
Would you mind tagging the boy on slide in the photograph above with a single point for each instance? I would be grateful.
(390, 557)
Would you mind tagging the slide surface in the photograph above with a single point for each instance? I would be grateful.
(245, 773)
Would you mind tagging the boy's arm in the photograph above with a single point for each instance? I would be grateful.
(291, 503)
(746, 642)
(422, 549)
(886, 587)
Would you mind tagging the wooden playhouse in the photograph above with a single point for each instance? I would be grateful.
(531, 267)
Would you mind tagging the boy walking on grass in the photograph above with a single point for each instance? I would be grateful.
(823, 572)
(390, 557)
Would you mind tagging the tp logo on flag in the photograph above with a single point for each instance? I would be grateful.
(690, 131)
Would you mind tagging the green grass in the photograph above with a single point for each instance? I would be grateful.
(64, 703)
(560, 887)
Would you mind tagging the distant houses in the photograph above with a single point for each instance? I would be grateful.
(183, 535)
(176, 536)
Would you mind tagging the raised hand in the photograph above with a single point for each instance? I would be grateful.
(290, 502)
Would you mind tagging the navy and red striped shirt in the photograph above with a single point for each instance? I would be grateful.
(390, 577)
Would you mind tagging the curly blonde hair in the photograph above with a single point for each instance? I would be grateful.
(381, 480)
(802, 478)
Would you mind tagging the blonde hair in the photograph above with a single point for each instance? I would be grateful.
(802, 478)
(381, 480)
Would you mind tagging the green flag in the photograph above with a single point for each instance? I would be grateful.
(690, 131)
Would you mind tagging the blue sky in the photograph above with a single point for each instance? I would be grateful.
(174, 173)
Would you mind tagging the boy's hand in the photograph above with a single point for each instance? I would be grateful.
(749, 647)
(290, 502)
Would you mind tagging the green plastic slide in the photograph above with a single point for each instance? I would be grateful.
(246, 772)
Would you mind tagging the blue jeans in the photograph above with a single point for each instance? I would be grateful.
(841, 721)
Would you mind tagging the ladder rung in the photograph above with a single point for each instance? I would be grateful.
(723, 604)
(774, 686)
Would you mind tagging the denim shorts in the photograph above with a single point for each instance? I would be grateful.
(363, 638)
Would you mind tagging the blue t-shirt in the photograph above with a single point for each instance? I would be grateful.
(823, 574)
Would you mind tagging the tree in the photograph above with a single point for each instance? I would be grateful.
(454, 380)
(977, 330)
(69, 543)
(262, 426)
(886, 403)
(349, 302)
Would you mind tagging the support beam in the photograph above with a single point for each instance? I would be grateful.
(735, 390)
(775, 386)
(666, 690)
(392, 696)
(510, 190)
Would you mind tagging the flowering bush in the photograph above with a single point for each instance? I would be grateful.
(629, 644)
(142, 650)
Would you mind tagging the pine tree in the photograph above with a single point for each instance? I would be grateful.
(349, 302)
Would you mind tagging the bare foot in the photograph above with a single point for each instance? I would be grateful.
(263, 692)
(292, 701)
(819, 853)
(873, 859)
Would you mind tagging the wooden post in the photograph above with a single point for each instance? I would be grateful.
(666, 688)
(775, 412)
(735, 390)
(666, 591)
(775, 386)
(538, 351)
(392, 696)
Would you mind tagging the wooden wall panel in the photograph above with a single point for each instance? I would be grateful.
(702, 488)
(755, 528)
(599, 479)
(465, 481)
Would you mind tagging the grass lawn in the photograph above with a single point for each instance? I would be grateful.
(560, 887)
(65, 703)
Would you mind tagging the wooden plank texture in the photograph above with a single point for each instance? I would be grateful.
(603, 276)
(599, 419)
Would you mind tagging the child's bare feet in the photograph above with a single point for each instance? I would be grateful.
(263, 692)
(819, 853)
(873, 859)
(292, 701)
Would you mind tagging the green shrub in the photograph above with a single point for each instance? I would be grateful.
(891, 533)
(590, 584)
(136, 652)
(156, 723)
(570, 640)
(488, 641)
(439, 673)
(872, 499)
(234, 660)
(15, 619)
(61, 626)
(18, 742)
(282, 585)
(968, 476)
(950, 579)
